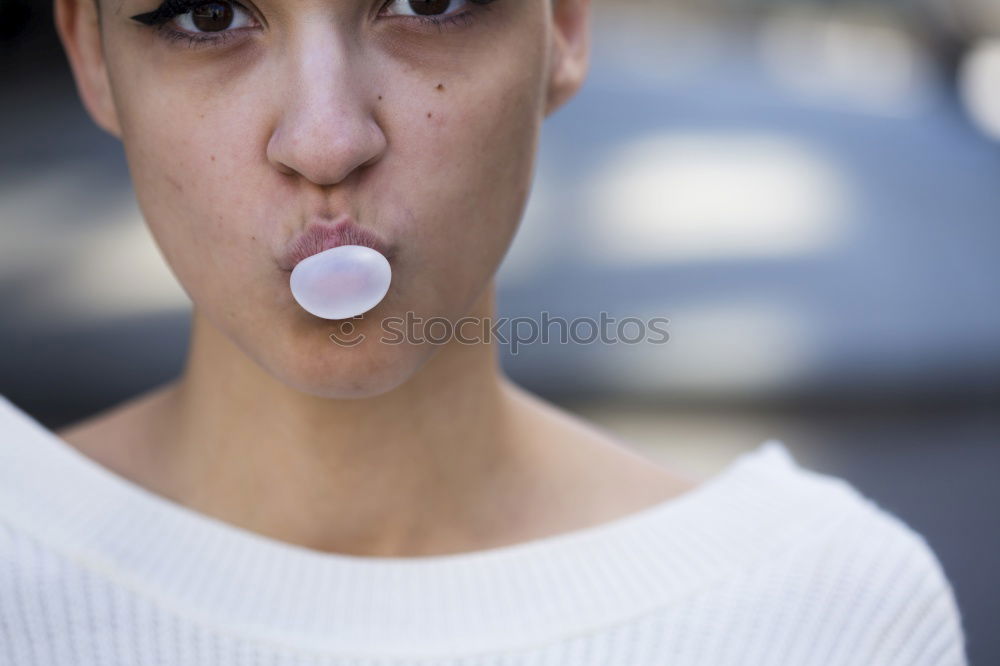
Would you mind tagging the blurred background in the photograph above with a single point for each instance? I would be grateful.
(809, 191)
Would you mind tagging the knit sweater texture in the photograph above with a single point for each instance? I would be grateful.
(765, 563)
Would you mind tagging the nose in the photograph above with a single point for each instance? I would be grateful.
(325, 125)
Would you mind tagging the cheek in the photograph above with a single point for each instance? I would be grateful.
(469, 153)
(191, 178)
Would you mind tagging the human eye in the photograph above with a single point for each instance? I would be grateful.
(197, 21)
(438, 13)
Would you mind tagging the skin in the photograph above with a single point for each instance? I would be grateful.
(427, 136)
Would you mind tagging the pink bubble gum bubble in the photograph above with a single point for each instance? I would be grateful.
(341, 282)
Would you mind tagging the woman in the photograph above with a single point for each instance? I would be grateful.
(292, 499)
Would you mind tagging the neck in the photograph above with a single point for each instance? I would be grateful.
(414, 465)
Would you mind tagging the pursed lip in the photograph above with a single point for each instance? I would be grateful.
(319, 237)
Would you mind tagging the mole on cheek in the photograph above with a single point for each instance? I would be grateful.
(428, 114)
(440, 86)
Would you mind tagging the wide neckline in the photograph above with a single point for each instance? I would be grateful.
(256, 586)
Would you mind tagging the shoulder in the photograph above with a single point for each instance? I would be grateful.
(876, 580)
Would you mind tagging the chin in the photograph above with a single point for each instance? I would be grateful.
(368, 369)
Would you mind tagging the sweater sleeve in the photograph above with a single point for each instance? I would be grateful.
(912, 618)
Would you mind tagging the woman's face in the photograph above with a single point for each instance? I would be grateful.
(243, 123)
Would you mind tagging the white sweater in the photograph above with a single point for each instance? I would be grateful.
(764, 564)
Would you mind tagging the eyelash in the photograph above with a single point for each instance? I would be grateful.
(175, 8)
